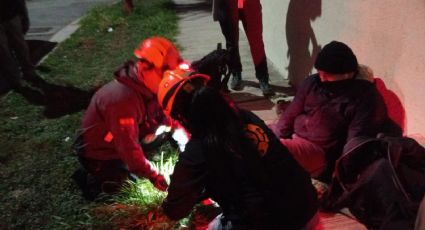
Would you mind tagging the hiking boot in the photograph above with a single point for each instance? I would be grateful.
(265, 88)
(87, 184)
(236, 83)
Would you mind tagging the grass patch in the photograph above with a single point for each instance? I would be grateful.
(36, 160)
(137, 206)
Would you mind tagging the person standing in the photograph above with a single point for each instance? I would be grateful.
(14, 53)
(228, 13)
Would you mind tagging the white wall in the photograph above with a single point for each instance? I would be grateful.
(387, 35)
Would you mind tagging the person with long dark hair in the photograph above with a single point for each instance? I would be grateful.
(233, 158)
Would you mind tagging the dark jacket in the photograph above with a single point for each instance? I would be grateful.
(329, 114)
(380, 180)
(119, 113)
(277, 194)
(11, 8)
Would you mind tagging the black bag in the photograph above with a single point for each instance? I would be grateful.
(380, 180)
(215, 64)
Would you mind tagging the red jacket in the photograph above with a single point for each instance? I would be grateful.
(119, 113)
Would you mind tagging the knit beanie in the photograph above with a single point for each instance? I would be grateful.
(337, 58)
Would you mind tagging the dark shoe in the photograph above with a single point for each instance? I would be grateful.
(43, 68)
(236, 83)
(33, 79)
(5, 87)
(110, 187)
(265, 88)
(86, 182)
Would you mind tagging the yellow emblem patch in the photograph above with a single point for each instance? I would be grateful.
(258, 137)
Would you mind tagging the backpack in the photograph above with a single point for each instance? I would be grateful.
(215, 64)
(380, 180)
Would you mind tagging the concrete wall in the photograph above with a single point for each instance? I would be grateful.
(387, 35)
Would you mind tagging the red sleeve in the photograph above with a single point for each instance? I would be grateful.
(123, 123)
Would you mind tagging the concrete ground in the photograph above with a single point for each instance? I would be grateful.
(54, 20)
(199, 35)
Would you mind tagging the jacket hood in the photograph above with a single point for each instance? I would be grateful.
(127, 75)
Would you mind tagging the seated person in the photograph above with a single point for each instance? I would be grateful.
(233, 158)
(329, 109)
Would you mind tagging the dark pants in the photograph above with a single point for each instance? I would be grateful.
(14, 53)
(106, 170)
(100, 176)
(251, 18)
(96, 176)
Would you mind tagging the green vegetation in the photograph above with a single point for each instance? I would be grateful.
(137, 206)
(36, 160)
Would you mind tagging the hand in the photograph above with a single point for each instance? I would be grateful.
(160, 183)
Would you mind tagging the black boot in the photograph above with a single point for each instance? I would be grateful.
(236, 83)
(87, 183)
(264, 85)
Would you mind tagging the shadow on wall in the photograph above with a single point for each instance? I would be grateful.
(299, 36)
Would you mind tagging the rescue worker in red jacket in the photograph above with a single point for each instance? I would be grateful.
(119, 114)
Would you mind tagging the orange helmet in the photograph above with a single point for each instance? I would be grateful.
(160, 52)
(172, 83)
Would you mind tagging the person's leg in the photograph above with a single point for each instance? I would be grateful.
(9, 69)
(310, 156)
(229, 25)
(128, 6)
(106, 176)
(251, 17)
(20, 48)
(420, 218)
